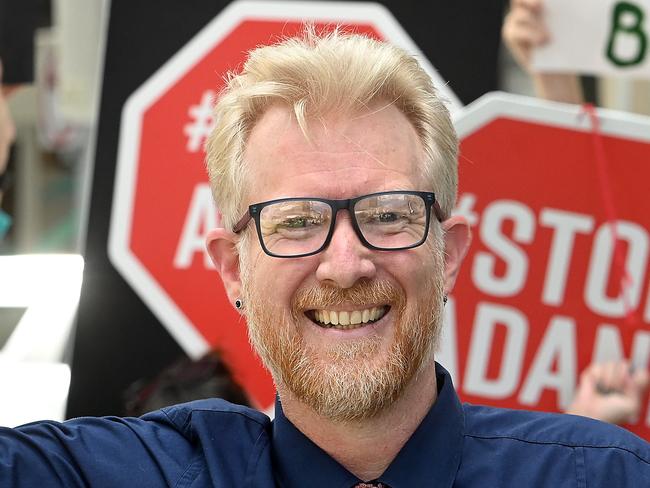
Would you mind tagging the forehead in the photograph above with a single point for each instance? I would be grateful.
(344, 155)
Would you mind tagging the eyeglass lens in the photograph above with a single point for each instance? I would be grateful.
(390, 221)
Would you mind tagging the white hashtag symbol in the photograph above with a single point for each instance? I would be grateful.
(201, 122)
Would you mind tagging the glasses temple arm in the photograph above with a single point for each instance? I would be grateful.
(438, 211)
(243, 222)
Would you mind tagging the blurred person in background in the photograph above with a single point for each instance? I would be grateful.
(19, 20)
(612, 392)
(523, 31)
(7, 136)
(183, 381)
(7, 131)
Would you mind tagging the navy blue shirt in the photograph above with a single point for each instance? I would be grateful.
(212, 443)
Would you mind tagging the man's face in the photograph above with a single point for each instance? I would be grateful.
(343, 372)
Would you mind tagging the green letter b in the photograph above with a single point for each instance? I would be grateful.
(627, 9)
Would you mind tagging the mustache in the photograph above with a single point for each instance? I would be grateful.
(361, 293)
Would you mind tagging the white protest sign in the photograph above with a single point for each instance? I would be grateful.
(601, 37)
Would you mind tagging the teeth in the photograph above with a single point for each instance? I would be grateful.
(344, 318)
(349, 319)
(355, 317)
(334, 318)
(365, 316)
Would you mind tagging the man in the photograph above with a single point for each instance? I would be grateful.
(333, 163)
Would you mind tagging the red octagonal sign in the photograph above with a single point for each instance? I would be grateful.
(162, 205)
(558, 275)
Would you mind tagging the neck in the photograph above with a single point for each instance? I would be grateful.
(367, 447)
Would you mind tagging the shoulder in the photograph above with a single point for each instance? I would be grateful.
(543, 449)
(550, 428)
(188, 416)
(168, 446)
(187, 420)
(553, 430)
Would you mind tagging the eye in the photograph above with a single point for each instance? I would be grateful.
(299, 222)
(387, 217)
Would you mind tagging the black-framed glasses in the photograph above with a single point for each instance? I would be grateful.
(385, 221)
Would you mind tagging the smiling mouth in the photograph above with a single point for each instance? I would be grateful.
(346, 319)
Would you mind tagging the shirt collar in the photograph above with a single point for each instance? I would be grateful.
(430, 457)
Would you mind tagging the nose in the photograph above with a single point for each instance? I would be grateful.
(346, 260)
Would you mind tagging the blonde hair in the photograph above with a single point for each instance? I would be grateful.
(318, 74)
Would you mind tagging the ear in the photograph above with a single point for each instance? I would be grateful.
(458, 237)
(221, 245)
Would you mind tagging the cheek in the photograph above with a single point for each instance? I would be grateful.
(409, 269)
(280, 278)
